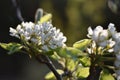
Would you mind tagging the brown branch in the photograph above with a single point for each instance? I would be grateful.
(94, 73)
(45, 60)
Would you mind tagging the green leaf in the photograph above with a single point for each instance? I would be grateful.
(11, 47)
(70, 52)
(46, 18)
(85, 61)
(55, 56)
(71, 64)
(82, 44)
(38, 14)
(105, 75)
(50, 75)
(49, 53)
(82, 72)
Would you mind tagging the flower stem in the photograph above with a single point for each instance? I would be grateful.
(45, 60)
(95, 69)
(94, 73)
(107, 58)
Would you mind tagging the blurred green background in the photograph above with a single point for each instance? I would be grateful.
(73, 17)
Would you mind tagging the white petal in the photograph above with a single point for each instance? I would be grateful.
(12, 30)
(118, 77)
(96, 33)
(103, 35)
(90, 32)
(111, 27)
(103, 44)
(111, 43)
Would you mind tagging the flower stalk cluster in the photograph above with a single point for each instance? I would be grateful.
(102, 37)
(109, 40)
(44, 35)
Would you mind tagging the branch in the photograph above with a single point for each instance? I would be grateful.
(94, 73)
(45, 60)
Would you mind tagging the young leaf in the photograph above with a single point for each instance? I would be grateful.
(71, 64)
(50, 75)
(82, 72)
(46, 18)
(82, 44)
(38, 14)
(85, 61)
(105, 75)
(11, 47)
(55, 56)
(70, 52)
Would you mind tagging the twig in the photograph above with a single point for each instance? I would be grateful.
(94, 73)
(45, 60)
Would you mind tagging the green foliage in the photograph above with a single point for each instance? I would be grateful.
(45, 18)
(82, 44)
(40, 18)
(11, 47)
(70, 52)
(71, 64)
(85, 61)
(105, 75)
(50, 75)
(82, 72)
(49, 53)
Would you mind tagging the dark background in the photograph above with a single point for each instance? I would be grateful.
(73, 17)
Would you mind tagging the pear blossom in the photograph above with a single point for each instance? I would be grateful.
(118, 77)
(94, 34)
(101, 36)
(44, 35)
(112, 29)
(13, 32)
(116, 48)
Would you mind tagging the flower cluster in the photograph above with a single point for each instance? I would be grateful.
(43, 35)
(107, 37)
(102, 37)
(116, 37)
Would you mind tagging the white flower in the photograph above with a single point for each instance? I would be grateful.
(103, 37)
(118, 77)
(13, 32)
(111, 43)
(44, 35)
(103, 43)
(90, 32)
(94, 34)
(117, 48)
(99, 35)
(116, 37)
(51, 37)
(112, 29)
